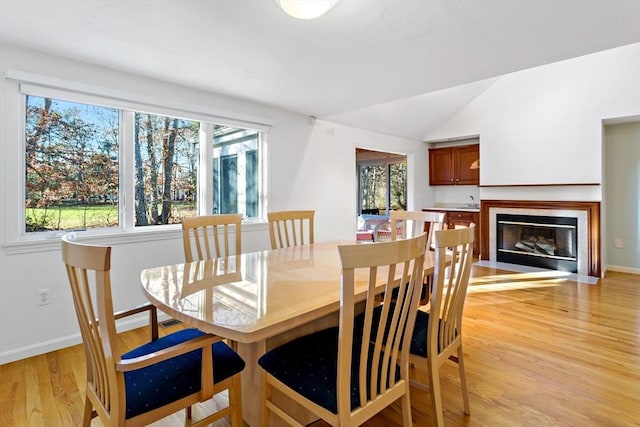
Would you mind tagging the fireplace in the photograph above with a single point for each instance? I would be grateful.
(586, 245)
(538, 241)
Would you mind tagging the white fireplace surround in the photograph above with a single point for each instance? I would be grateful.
(581, 216)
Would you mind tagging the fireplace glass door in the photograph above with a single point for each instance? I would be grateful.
(538, 241)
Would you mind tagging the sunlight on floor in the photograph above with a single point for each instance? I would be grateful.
(513, 281)
(521, 272)
(518, 280)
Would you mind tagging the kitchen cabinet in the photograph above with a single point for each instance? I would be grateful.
(457, 165)
(462, 218)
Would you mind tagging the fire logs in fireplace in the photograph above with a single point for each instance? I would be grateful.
(537, 245)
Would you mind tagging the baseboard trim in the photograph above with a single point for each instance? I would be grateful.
(69, 340)
(621, 269)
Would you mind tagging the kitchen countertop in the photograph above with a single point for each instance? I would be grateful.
(452, 207)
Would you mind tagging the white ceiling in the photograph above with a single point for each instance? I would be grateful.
(375, 64)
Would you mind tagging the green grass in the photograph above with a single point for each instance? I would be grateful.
(72, 217)
(83, 217)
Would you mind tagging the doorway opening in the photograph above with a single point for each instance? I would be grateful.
(382, 187)
(382, 182)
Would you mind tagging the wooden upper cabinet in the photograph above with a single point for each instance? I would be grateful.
(466, 161)
(458, 165)
(441, 166)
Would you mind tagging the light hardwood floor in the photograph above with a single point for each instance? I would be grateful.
(539, 351)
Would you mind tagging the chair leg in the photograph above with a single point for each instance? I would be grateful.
(88, 412)
(427, 284)
(266, 395)
(235, 399)
(463, 382)
(436, 393)
(188, 416)
(406, 409)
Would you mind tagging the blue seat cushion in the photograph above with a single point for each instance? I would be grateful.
(165, 382)
(419, 338)
(309, 366)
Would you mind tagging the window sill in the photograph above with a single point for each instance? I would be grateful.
(170, 232)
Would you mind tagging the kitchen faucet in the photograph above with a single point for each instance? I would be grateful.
(472, 205)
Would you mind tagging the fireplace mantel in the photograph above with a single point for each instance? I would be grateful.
(592, 209)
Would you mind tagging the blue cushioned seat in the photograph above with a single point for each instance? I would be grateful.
(419, 338)
(173, 379)
(308, 365)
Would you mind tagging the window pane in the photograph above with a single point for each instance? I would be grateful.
(235, 181)
(229, 188)
(166, 161)
(373, 188)
(72, 172)
(398, 182)
(252, 184)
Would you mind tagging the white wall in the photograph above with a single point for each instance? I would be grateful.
(309, 166)
(544, 125)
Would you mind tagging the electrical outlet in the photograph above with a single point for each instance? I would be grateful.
(43, 296)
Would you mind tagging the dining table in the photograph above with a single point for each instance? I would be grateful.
(257, 301)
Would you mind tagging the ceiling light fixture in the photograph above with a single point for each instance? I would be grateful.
(306, 9)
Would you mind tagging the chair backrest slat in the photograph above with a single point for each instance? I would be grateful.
(287, 228)
(202, 235)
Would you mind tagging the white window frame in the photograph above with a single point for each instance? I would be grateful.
(23, 83)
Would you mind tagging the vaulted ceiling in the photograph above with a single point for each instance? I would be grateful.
(394, 66)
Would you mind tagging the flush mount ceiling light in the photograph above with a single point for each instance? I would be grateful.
(306, 9)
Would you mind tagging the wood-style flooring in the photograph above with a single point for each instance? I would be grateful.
(539, 351)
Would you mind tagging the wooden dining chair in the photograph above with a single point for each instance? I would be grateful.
(437, 335)
(403, 224)
(287, 228)
(209, 236)
(412, 223)
(152, 381)
(347, 374)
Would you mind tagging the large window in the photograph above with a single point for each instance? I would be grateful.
(82, 160)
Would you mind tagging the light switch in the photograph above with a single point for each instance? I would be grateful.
(618, 243)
